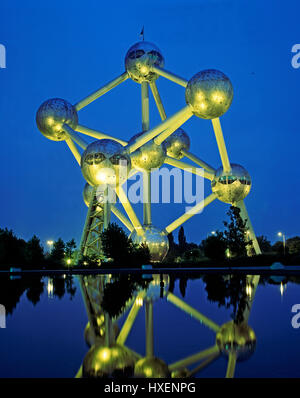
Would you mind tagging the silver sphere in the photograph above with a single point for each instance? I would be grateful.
(176, 142)
(209, 93)
(156, 240)
(149, 156)
(151, 367)
(232, 186)
(88, 195)
(52, 114)
(103, 361)
(104, 163)
(139, 60)
(237, 338)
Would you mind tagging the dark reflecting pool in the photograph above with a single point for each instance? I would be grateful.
(136, 325)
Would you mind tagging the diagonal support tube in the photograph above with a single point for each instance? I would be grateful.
(198, 161)
(190, 213)
(231, 365)
(158, 101)
(190, 168)
(103, 90)
(245, 216)
(182, 115)
(122, 218)
(97, 134)
(75, 137)
(193, 358)
(128, 324)
(74, 150)
(192, 312)
(129, 210)
(170, 76)
(221, 144)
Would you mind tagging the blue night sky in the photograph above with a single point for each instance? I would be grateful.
(68, 49)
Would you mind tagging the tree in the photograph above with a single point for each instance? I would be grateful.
(34, 253)
(293, 245)
(182, 245)
(214, 246)
(57, 256)
(69, 248)
(264, 244)
(235, 233)
(12, 249)
(173, 249)
(115, 244)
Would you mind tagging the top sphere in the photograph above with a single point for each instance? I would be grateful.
(103, 162)
(139, 60)
(51, 116)
(209, 93)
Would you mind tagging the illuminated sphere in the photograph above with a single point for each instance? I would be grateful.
(154, 287)
(151, 367)
(88, 194)
(148, 156)
(156, 240)
(179, 374)
(209, 93)
(237, 338)
(100, 163)
(139, 60)
(233, 186)
(52, 114)
(103, 361)
(176, 142)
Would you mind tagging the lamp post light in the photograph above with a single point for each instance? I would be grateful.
(281, 234)
(50, 244)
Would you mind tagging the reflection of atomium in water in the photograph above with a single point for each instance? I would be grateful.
(109, 161)
(106, 335)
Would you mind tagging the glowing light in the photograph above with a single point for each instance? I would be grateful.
(281, 288)
(279, 234)
(105, 354)
(139, 301)
(249, 290)
(69, 261)
(50, 121)
(101, 176)
(218, 97)
(144, 69)
(50, 242)
(50, 288)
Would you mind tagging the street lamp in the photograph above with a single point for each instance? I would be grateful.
(281, 234)
(50, 244)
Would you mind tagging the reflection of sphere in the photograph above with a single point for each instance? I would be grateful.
(209, 93)
(102, 361)
(237, 338)
(139, 60)
(179, 374)
(232, 186)
(52, 114)
(103, 163)
(154, 287)
(148, 156)
(156, 240)
(176, 142)
(151, 367)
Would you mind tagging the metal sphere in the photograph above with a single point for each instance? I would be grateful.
(103, 361)
(151, 367)
(88, 194)
(149, 156)
(104, 163)
(139, 60)
(52, 114)
(156, 240)
(209, 93)
(233, 186)
(237, 338)
(154, 287)
(176, 142)
(180, 374)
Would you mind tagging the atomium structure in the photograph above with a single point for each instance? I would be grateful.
(108, 162)
(110, 354)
